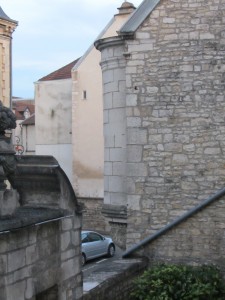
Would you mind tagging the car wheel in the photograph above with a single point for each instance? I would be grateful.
(111, 250)
(83, 259)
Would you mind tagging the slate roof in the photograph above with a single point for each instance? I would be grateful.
(62, 73)
(138, 16)
(4, 16)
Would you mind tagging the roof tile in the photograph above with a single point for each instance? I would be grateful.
(62, 73)
(19, 106)
(29, 121)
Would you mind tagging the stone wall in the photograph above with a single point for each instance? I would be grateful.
(35, 259)
(92, 217)
(40, 240)
(198, 240)
(116, 280)
(175, 121)
(174, 83)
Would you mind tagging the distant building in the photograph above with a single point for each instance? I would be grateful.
(24, 134)
(28, 134)
(53, 94)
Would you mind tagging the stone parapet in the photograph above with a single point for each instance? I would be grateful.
(116, 281)
(41, 261)
(40, 240)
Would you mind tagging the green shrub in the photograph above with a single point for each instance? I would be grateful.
(181, 282)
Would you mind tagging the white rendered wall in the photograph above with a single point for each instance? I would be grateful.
(62, 154)
(53, 121)
(28, 139)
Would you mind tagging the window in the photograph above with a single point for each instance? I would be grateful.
(26, 113)
(84, 95)
(84, 238)
(94, 237)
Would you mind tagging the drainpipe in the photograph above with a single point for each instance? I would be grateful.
(174, 223)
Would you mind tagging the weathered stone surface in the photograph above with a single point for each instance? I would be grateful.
(39, 243)
(115, 281)
(174, 126)
(9, 202)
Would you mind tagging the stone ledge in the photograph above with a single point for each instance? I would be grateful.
(114, 211)
(29, 216)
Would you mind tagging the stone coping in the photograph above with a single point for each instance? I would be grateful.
(111, 274)
(30, 216)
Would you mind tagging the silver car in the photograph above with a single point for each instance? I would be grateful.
(95, 245)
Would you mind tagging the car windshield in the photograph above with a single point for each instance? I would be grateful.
(84, 237)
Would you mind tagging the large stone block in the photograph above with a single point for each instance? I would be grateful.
(9, 202)
(16, 260)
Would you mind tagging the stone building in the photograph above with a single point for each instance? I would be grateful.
(166, 69)
(7, 27)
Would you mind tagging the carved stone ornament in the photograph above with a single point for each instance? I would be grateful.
(8, 164)
(7, 153)
(7, 119)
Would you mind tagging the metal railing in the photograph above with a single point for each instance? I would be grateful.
(175, 222)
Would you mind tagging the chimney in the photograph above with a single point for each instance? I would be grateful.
(126, 8)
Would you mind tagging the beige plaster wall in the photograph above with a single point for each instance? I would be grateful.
(87, 119)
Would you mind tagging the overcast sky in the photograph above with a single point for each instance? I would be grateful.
(53, 33)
